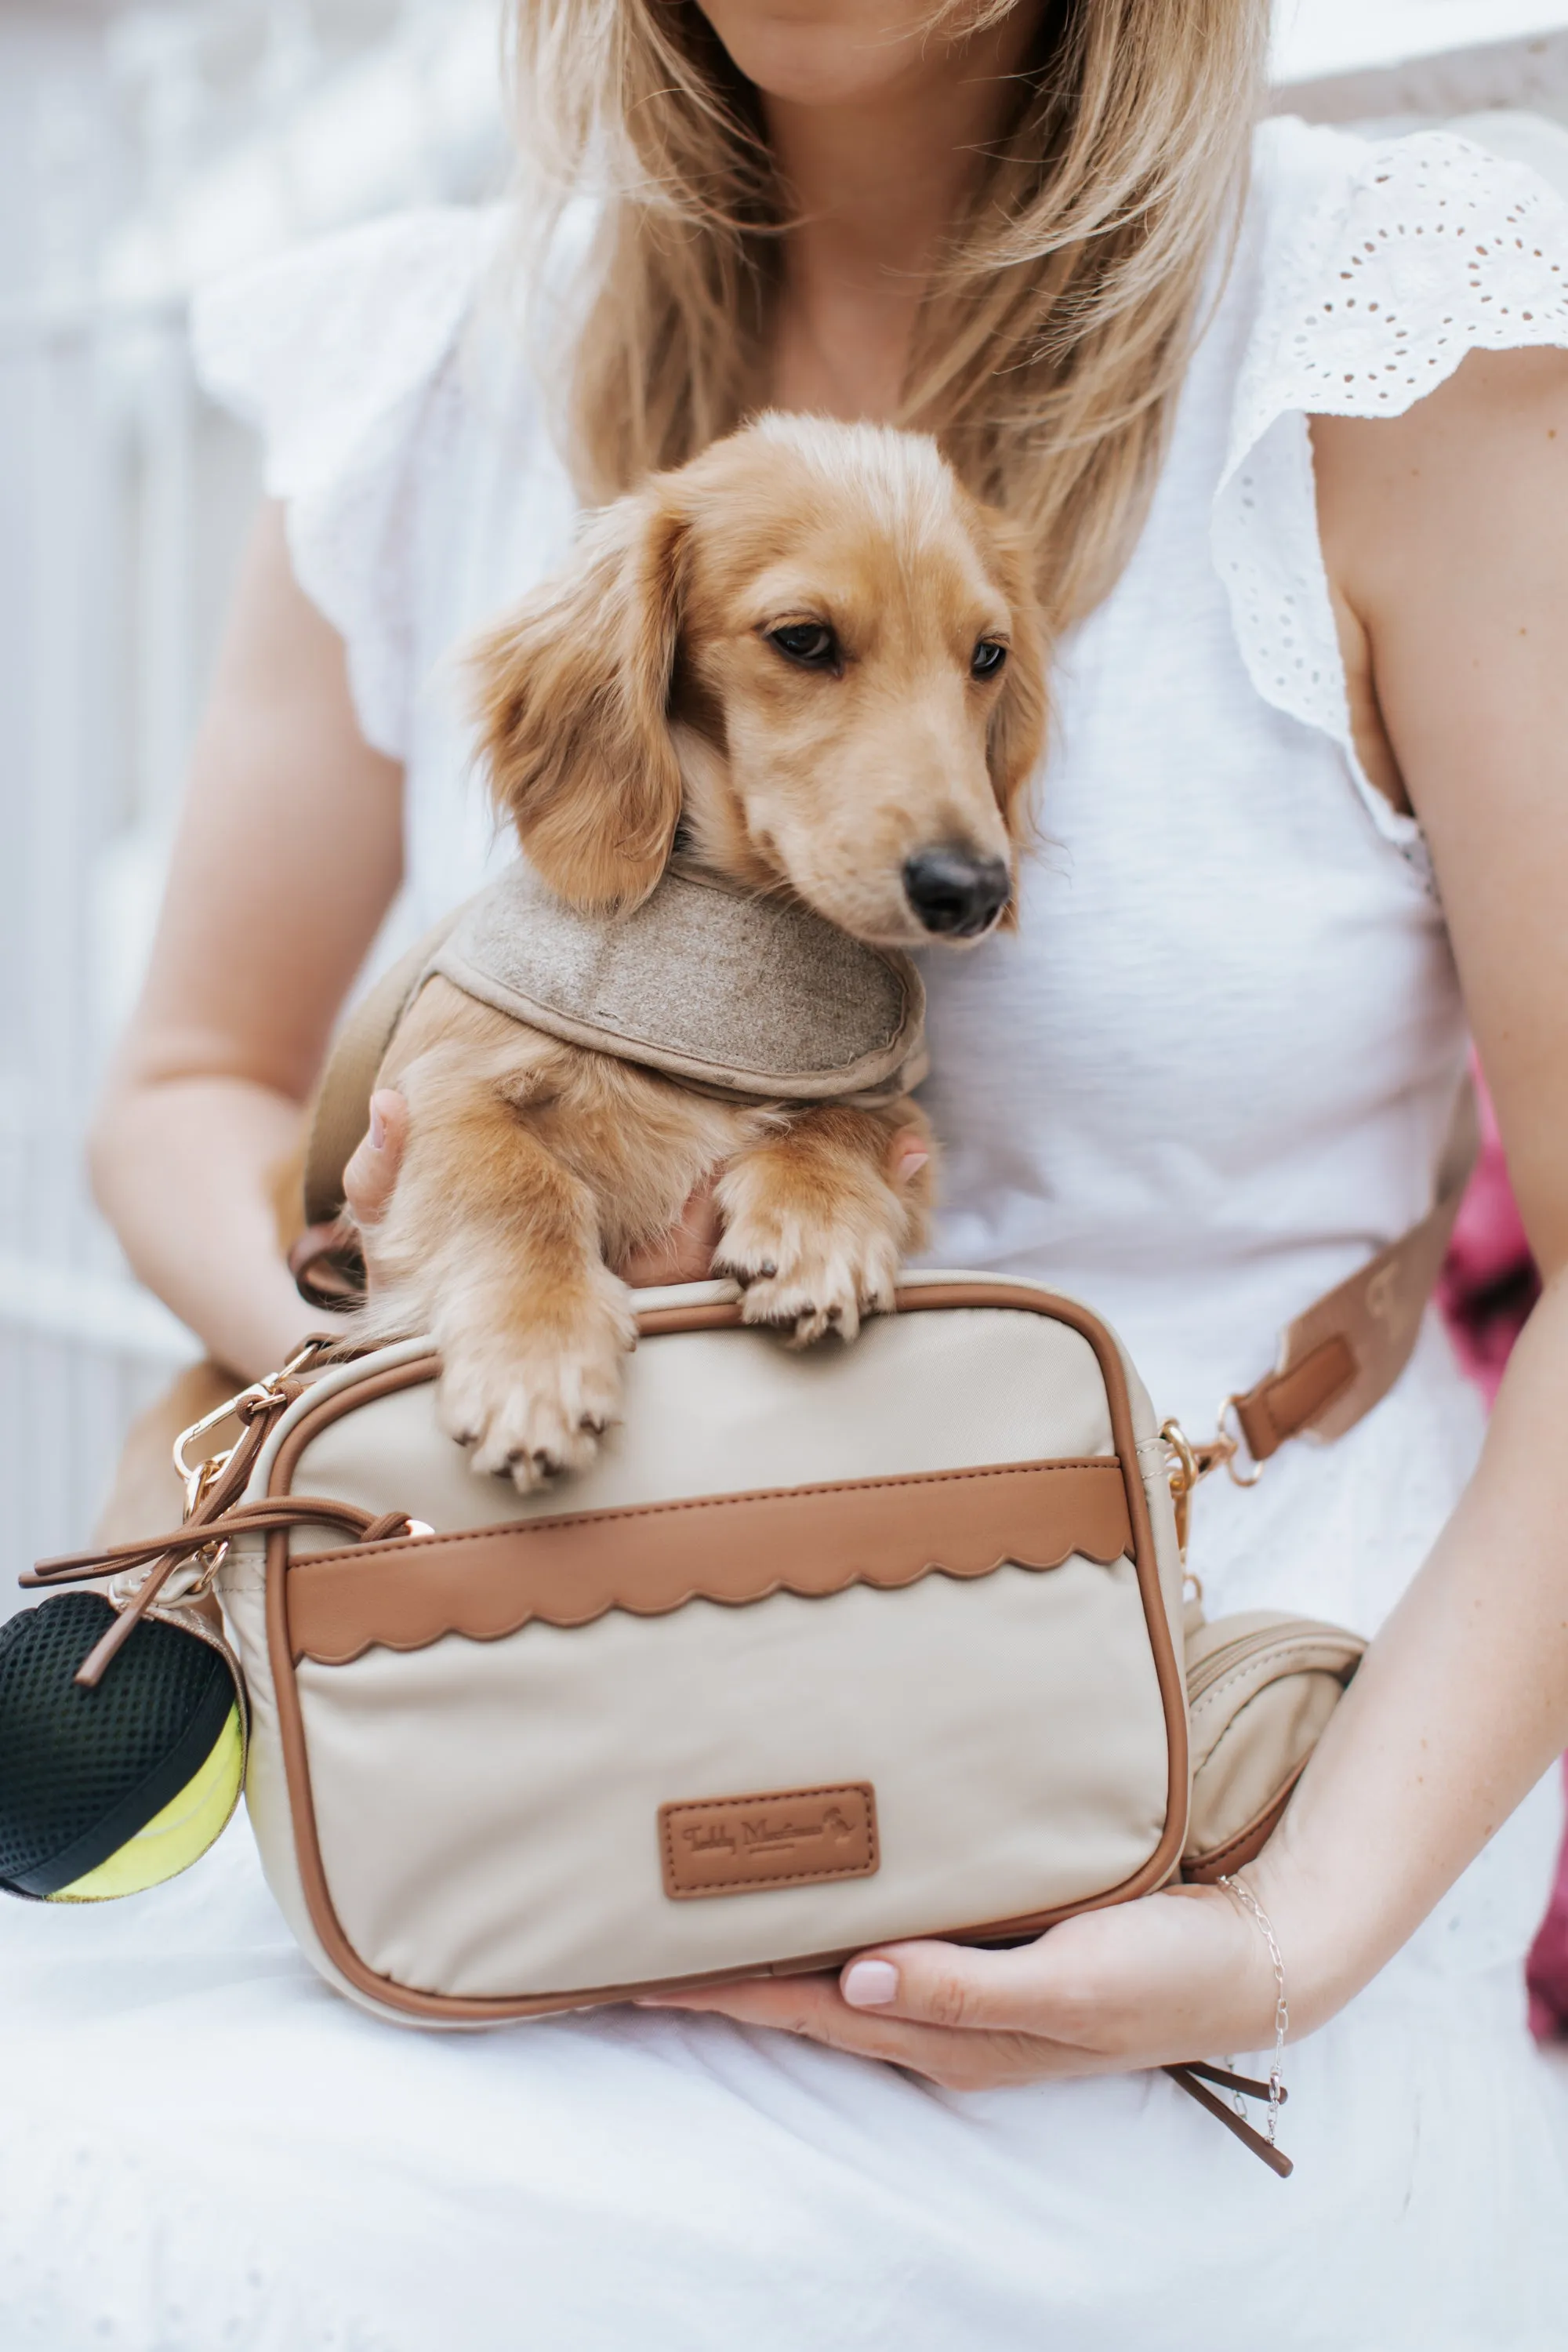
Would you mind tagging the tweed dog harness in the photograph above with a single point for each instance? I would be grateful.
(754, 999)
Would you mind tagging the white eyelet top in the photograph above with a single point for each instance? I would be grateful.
(1212, 1071)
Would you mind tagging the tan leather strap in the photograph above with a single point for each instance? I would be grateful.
(1343, 1355)
(217, 1512)
(163, 1554)
(245, 1518)
(1193, 2078)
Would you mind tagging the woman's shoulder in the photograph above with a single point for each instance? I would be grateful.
(1366, 269)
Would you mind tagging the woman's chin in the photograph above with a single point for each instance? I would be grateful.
(815, 53)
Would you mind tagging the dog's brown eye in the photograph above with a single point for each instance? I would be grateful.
(811, 643)
(987, 658)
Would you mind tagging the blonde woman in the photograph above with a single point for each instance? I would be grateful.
(1288, 419)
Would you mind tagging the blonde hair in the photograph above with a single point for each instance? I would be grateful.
(1056, 329)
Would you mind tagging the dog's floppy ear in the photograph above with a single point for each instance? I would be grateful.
(572, 696)
(1017, 734)
(1017, 738)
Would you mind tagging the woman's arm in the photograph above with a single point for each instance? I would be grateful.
(1445, 532)
(1446, 536)
(289, 855)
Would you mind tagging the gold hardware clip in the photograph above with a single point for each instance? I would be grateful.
(1191, 1465)
(197, 1477)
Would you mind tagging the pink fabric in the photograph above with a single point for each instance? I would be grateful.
(1488, 1284)
(1546, 1973)
(1487, 1288)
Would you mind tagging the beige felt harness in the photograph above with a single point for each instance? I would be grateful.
(755, 998)
(751, 998)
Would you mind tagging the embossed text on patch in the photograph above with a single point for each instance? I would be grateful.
(787, 1837)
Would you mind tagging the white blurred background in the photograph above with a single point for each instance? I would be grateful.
(143, 149)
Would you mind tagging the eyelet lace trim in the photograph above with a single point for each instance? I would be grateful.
(1419, 250)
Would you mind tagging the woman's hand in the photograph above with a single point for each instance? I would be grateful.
(683, 1254)
(1173, 1977)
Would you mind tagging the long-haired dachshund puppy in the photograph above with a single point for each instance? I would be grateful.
(814, 660)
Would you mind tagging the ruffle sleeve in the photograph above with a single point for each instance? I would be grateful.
(343, 356)
(1379, 266)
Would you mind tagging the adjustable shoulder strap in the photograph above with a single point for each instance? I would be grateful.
(1344, 1354)
(342, 1111)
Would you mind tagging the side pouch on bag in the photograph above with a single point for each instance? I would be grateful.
(1260, 1689)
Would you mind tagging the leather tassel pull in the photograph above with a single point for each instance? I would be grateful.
(206, 1532)
(1196, 2088)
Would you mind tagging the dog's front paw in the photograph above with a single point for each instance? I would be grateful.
(808, 1275)
(531, 1396)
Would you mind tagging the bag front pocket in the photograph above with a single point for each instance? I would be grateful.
(501, 1725)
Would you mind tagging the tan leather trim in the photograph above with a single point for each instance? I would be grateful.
(788, 1837)
(1247, 1844)
(1285, 1403)
(452, 2009)
(485, 1582)
(1194, 2079)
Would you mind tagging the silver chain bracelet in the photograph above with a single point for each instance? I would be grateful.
(1249, 1902)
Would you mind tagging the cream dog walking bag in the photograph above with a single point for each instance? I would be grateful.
(825, 1649)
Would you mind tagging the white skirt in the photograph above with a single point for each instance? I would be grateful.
(202, 2149)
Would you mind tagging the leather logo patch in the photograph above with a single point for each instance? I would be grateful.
(788, 1837)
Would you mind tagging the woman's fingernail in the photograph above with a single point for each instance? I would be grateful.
(870, 1984)
(912, 1160)
(377, 1126)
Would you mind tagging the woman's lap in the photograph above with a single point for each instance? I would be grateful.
(205, 2148)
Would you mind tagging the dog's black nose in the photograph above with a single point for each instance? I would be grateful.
(956, 893)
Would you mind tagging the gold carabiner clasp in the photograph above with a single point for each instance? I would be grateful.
(1190, 1464)
(197, 1477)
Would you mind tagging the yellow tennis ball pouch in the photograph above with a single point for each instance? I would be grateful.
(110, 1787)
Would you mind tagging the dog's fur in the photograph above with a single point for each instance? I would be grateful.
(637, 698)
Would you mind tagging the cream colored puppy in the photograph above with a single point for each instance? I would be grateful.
(813, 660)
